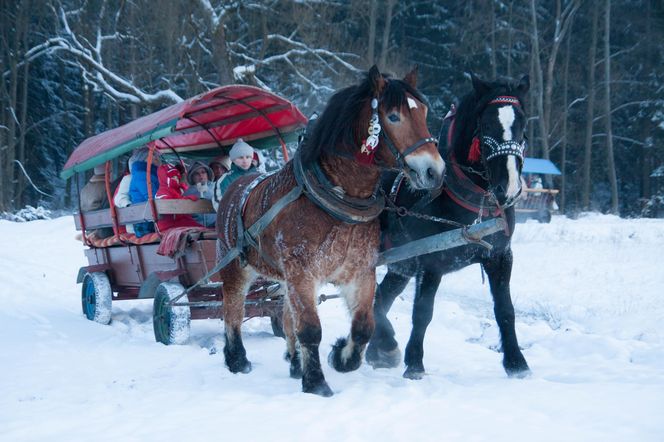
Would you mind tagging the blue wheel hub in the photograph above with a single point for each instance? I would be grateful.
(89, 299)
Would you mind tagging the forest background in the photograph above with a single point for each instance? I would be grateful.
(71, 69)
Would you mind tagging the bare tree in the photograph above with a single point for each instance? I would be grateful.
(385, 46)
(563, 20)
(611, 166)
(590, 111)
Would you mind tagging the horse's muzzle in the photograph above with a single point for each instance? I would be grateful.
(424, 173)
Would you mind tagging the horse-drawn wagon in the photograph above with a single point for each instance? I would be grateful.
(124, 266)
(536, 202)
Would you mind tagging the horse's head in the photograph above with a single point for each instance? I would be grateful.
(499, 136)
(403, 135)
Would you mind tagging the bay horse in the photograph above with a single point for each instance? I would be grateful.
(329, 233)
(484, 158)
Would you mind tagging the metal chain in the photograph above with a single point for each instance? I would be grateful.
(481, 173)
(404, 211)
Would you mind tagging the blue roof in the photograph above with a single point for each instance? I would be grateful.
(540, 165)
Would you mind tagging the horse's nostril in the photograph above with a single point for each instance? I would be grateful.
(430, 173)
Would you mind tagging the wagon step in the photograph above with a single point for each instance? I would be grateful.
(442, 241)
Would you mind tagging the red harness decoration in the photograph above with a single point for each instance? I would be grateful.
(506, 99)
(475, 154)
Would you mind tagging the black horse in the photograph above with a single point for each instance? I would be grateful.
(484, 157)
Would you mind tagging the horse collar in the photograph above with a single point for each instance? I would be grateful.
(466, 193)
(333, 200)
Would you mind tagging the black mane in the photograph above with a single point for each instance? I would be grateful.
(469, 109)
(342, 125)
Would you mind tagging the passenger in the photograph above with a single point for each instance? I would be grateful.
(241, 155)
(171, 186)
(220, 165)
(202, 186)
(536, 182)
(121, 196)
(93, 197)
(138, 188)
(258, 162)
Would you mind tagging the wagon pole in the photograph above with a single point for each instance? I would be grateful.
(435, 243)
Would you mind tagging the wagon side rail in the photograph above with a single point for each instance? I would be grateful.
(534, 200)
(140, 212)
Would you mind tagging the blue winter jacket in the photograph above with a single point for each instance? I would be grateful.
(138, 191)
(138, 186)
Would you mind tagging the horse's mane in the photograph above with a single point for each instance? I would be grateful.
(343, 123)
(469, 109)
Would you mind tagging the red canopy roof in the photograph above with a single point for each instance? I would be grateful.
(216, 117)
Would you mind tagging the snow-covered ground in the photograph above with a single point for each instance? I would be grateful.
(589, 296)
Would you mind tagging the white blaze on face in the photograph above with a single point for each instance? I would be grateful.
(506, 117)
(412, 104)
(513, 181)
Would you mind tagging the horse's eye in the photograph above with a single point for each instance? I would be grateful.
(394, 118)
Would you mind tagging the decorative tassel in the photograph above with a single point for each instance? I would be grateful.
(365, 156)
(474, 154)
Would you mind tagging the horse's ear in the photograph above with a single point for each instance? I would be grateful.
(411, 77)
(481, 87)
(377, 81)
(524, 85)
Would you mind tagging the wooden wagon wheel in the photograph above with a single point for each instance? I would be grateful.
(171, 322)
(96, 297)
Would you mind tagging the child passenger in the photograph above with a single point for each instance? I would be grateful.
(241, 156)
(171, 186)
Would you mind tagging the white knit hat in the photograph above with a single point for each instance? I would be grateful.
(241, 149)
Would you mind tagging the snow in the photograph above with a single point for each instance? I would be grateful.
(588, 299)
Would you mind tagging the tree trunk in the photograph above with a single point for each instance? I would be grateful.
(23, 119)
(220, 55)
(494, 68)
(563, 145)
(386, 33)
(646, 149)
(611, 166)
(590, 114)
(371, 54)
(538, 90)
(10, 167)
(531, 104)
(509, 42)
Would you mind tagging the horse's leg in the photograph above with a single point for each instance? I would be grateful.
(301, 298)
(383, 350)
(499, 271)
(346, 354)
(292, 352)
(425, 293)
(236, 282)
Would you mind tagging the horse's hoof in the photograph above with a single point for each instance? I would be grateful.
(413, 373)
(239, 366)
(295, 370)
(519, 374)
(321, 389)
(383, 359)
(335, 358)
(517, 368)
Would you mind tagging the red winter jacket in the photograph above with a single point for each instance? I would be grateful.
(171, 187)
